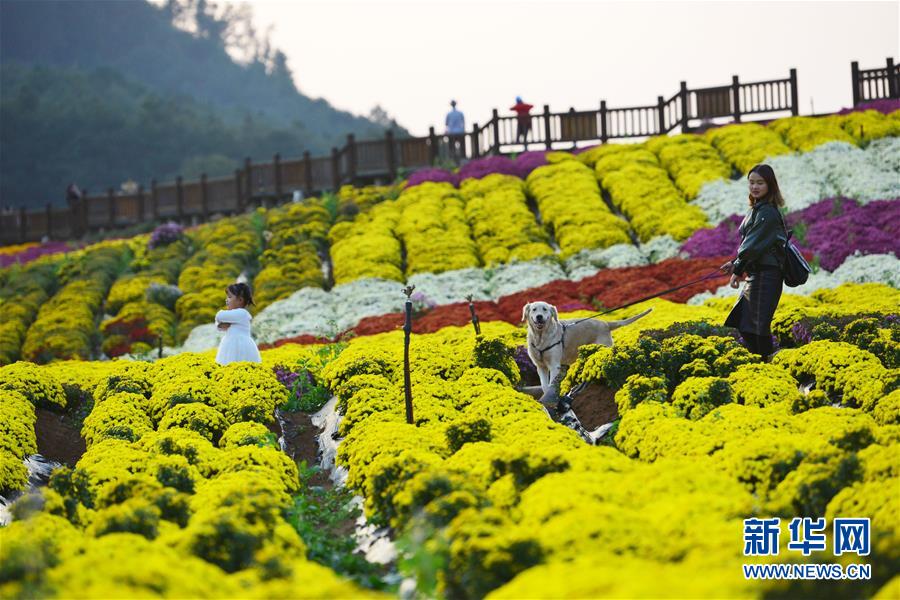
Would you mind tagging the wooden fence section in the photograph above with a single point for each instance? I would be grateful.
(875, 84)
(383, 159)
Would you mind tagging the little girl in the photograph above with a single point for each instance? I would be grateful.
(237, 345)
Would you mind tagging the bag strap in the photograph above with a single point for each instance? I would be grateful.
(787, 232)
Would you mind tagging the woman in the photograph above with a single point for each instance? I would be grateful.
(760, 257)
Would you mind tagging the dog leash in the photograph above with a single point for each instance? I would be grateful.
(715, 273)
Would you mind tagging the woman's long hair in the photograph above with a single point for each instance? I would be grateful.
(773, 194)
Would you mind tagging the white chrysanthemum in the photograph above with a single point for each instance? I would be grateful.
(202, 337)
(661, 248)
(884, 154)
(453, 286)
(518, 276)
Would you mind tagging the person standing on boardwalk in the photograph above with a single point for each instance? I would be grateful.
(523, 119)
(456, 129)
(760, 259)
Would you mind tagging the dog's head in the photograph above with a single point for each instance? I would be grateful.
(539, 314)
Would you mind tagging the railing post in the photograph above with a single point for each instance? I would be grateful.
(49, 222)
(335, 169)
(892, 81)
(154, 200)
(75, 218)
(685, 109)
(248, 179)
(84, 211)
(179, 199)
(547, 142)
(390, 155)
(432, 145)
(351, 158)
(495, 126)
(307, 172)
(204, 199)
(604, 134)
(795, 108)
(661, 115)
(239, 190)
(140, 200)
(23, 225)
(111, 197)
(276, 168)
(476, 143)
(735, 98)
(854, 80)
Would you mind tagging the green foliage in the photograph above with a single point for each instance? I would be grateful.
(324, 518)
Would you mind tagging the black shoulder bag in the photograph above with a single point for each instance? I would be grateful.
(795, 269)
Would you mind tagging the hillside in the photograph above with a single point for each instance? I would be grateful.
(89, 96)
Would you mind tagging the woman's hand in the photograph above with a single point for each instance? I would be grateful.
(727, 268)
(735, 281)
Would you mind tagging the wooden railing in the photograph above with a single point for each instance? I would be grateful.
(382, 159)
(875, 84)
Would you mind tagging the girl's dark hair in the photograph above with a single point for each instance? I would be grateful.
(242, 291)
(773, 194)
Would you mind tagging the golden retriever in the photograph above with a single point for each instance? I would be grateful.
(553, 343)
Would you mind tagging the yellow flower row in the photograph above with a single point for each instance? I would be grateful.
(513, 491)
(291, 259)
(65, 325)
(23, 290)
(747, 144)
(182, 491)
(367, 247)
(434, 230)
(572, 208)
(503, 226)
(226, 248)
(690, 160)
(652, 203)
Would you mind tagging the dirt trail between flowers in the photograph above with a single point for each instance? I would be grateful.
(615, 210)
(58, 439)
(595, 405)
(301, 443)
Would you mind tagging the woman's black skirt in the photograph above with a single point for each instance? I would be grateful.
(756, 305)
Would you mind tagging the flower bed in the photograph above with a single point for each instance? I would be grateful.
(182, 491)
(434, 230)
(503, 226)
(571, 207)
(225, 249)
(690, 160)
(66, 324)
(511, 493)
(654, 206)
(295, 235)
(23, 290)
(747, 144)
(367, 246)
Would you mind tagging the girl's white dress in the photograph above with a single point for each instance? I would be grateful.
(236, 345)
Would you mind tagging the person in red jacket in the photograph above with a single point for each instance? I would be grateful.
(523, 119)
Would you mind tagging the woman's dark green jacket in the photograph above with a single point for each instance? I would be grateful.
(762, 239)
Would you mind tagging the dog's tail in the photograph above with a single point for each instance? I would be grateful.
(629, 320)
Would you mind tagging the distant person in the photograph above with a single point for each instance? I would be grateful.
(456, 130)
(73, 193)
(523, 119)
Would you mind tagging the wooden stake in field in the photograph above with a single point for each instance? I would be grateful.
(475, 322)
(407, 330)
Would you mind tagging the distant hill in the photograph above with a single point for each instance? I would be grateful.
(98, 92)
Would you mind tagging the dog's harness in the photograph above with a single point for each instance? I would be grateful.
(561, 340)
